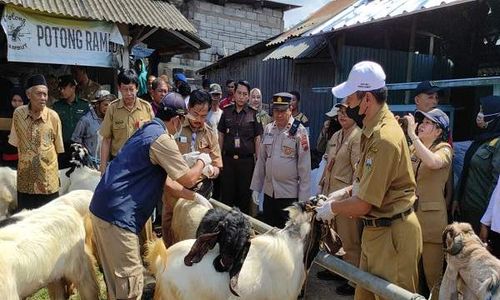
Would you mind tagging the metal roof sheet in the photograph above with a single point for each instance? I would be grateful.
(153, 13)
(315, 19)
(366, 11)
(298, 48)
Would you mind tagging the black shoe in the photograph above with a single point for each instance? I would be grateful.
(327, 275)
(345, 290)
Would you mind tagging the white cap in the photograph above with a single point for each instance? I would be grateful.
(333, 112)
(364, 76)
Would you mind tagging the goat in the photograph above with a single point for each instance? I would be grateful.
(285, 254)
(82, 175)
(44, 246)
(469, 260)
(186, 218)
(8, 191)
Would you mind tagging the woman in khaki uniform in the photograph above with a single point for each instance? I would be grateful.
(431, 158)
(343, 154)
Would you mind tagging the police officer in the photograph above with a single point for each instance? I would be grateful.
(284, 163)
(239, 138)
(383, 191)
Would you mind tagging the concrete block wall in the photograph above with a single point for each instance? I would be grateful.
(229, 29)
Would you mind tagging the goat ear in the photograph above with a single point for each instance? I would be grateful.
(234, 272)
(200, 247)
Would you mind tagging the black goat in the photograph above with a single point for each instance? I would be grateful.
(232, 231)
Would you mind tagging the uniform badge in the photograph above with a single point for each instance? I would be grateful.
(304, 143)
(287, 150)
(368, 164)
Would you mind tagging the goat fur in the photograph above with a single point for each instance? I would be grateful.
(82, 175)
(44, 246)
(470, 261)
(186, 218)
(8, 191)
(273, 268)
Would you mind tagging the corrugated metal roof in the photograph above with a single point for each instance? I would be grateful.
(298, 48)
(153, 13)
(317, 18)
(365, 11)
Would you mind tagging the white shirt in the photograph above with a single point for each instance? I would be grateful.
(491, 217)
(213, 118)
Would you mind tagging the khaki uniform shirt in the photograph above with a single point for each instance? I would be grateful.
(205, 140)
(88, 91)
(384, 175)
(120, 123)
(38, 141)
(283, 165)
(343, 156)
(165, 153)
(263, 117)
(431, 207)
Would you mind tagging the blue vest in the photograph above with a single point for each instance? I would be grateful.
(132, 185)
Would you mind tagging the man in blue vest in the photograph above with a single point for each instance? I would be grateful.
(129, 190)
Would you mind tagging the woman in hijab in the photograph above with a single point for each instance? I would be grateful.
(256, 102)
(481, 165)
(8, 152)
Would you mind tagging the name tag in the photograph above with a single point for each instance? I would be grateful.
(183, 139)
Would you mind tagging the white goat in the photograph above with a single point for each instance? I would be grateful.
(8, 191)
(273, 269)
(186, 218)
(82, 175)
(43, 246)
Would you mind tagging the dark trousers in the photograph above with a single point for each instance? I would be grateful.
(494, 241)
(273, 213)
(236, 179)
(63, 159)
(32, 201)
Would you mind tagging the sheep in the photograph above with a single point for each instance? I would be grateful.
(44, 246)
(8, 191)
(283, 254)
(470, 261)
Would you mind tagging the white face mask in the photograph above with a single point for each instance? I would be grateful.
(177, 134)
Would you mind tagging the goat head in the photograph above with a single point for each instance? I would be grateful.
(232, 231)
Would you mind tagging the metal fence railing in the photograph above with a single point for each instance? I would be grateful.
(368, 281)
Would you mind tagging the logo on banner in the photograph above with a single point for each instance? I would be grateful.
(17, 32)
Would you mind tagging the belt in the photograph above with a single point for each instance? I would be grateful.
(239, 156)
(386, 222)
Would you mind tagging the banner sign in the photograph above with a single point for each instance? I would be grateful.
(40, 38)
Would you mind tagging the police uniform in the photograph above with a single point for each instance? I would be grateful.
(88, 91)
(343, 155)
(204, 140)
(283, 167)
(431, 210)
(392, 237)
(239, 129)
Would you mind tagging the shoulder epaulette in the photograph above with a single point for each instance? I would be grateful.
(293, 129)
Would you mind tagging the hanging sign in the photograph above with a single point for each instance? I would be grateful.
(40, 38)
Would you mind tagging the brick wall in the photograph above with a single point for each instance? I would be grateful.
(229, 29)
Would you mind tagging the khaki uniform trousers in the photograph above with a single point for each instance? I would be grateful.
(169, 202)
(118, 251)
(433, 261)
(392, 253)
(349, 230)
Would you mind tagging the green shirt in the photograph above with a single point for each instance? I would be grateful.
(69, 115)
